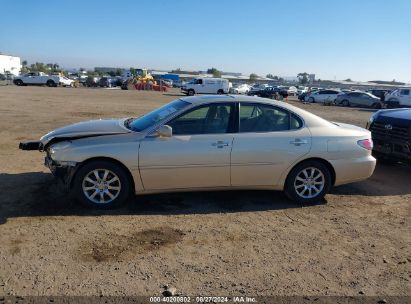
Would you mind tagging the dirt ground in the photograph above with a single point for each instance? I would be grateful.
(216, 243)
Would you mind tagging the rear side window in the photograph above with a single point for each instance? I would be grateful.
(266, 118)
(405, 92)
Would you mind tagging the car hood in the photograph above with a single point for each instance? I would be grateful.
(401, 117)
(86, 129)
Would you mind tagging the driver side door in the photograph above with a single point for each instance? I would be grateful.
(197, 155)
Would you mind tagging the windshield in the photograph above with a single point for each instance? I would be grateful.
(143, 122)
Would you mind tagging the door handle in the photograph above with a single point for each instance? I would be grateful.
(220, 144)
(299, 142)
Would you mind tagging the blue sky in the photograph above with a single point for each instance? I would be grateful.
(357, 39)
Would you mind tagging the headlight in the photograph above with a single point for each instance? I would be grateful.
(59, 146)
(371, 119)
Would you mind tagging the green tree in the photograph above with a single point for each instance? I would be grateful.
(253, 77)
(348, 80)
(216, 73)
(176, 71)
(24, 69)
(303, 77)
(119, 72)
(271, 76)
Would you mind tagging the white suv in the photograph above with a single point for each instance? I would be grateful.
(399, 97)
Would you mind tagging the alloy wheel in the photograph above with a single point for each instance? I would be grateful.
(309, 182)
(101, 186)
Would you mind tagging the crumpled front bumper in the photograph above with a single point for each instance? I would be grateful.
(63, 173)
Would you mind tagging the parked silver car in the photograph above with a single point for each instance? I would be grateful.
(207, 143)
(362, 99)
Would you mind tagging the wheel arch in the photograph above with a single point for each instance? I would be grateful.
(321, 160)
(103, 158)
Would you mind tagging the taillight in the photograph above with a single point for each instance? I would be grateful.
(366, 143)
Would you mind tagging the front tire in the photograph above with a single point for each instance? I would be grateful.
(220, 92)
(345, 103)
(19, 82)
(308, 182)
(102, 185)
(311, 99)
(190, 92)
(393, 103)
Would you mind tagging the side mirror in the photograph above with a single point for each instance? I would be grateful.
(165, 131)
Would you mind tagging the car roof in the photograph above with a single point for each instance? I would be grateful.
(226, 98)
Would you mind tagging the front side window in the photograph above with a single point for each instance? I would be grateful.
(149, 119)
(266, 118)
(208, 119)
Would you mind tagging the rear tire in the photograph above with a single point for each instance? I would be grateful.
(50, 83)
(308, 182)
(345, 103)
(109, 190)
(376, 105)
(190, 93)
(220, 92)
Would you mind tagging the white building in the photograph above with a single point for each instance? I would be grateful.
(10, 64)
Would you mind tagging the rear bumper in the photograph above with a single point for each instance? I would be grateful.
(353, 170)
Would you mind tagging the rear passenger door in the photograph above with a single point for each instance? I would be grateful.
(269, 140)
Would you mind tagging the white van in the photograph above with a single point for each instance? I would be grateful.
(206, 86)
(399, 98)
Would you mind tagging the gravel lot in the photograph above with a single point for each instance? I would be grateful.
(216, 243)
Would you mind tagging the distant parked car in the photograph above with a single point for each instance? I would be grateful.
(398, 98)
(178, 83)
(92, 81)
(40, 78)
(206, 86)
(301, 90)
(241, 89)
(269, 92)
(362, 99)
(292, 91)
(106, 82)
(322, 96)
(259, 86)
